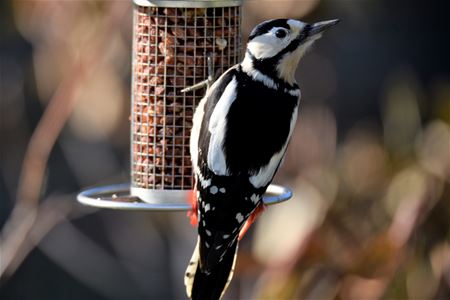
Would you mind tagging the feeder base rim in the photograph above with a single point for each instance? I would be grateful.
(118, 196)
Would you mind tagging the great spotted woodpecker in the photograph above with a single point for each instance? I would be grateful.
(240, 132)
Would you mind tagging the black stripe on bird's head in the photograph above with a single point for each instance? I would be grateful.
(267, 26)
(277, 40)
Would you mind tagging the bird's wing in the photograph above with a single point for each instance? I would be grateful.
(222, 209)
(227, 197)
(203, 121)
(217, 197)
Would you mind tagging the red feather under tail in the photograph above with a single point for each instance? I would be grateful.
(255, 214)
(192, 213)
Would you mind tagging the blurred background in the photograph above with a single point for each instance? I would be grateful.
(369, 162)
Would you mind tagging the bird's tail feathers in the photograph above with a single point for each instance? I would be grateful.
(213, 284)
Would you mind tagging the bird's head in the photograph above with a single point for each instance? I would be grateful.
(276, 46)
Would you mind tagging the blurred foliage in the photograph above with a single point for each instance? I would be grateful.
(369, 162)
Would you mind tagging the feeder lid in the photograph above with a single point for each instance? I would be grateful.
(189, 3)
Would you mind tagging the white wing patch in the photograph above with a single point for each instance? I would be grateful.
(213, 190)
(203, 181)
(193, 142)
(195, 132)
(255, 198)
(239, 217)
(268, 45)
(293, 92)
(217, 128)
(266, 173)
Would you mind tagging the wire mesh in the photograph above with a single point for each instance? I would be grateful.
(170, 51)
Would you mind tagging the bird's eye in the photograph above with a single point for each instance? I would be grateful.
(280, 33)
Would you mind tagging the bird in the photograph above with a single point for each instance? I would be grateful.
(241, 129)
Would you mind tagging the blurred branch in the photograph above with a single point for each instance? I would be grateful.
(76, 253)
(27, 210)
(35, 225)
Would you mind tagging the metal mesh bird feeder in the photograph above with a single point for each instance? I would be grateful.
(171, 46)
(178, 49)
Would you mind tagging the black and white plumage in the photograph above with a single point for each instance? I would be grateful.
(240, 133)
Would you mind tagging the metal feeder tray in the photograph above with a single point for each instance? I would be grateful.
(118, 197)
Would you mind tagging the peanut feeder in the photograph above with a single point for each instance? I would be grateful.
(173, 42)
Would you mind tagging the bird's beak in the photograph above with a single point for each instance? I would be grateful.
(319, 27)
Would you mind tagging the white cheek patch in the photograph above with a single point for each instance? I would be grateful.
(263, 47)
(268, 45)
